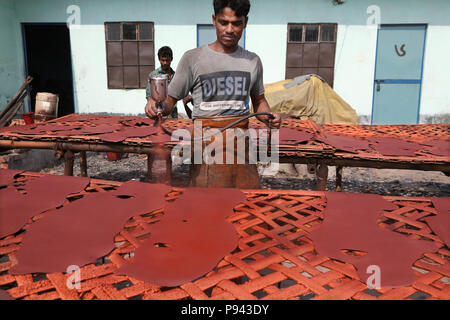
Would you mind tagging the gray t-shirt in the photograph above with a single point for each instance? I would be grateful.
(220, 84)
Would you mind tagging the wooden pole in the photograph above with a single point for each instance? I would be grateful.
(68, 163)
(83, 164)
(339, 170)
(322, 177)
(16, 96)
(12, 110)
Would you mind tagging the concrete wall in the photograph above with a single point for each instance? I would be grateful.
(435, 96)
(11, 76)
(175, 25)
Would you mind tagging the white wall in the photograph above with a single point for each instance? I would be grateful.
(269, 42)
(436, 72)
(355, 66)
(180, 38)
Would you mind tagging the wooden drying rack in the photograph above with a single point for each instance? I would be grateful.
(275, 258)
(313, 152)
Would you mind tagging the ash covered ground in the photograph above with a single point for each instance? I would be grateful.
(408, 183)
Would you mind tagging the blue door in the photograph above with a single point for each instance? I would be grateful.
(398, 74)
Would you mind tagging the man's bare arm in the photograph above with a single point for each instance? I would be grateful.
(187, 99)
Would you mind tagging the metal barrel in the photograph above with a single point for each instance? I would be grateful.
(159, 84)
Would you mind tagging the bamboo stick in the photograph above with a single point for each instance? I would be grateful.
(9, 115)
(16, 96)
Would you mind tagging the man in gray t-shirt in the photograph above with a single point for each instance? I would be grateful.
(221, 83)
(222, 78)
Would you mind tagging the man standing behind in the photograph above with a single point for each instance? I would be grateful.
(165, 56)
(222, 77)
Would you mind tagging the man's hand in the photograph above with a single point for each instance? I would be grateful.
(151, 110)
(275, 123)
(272, 123)
(260, 105)
(187, 99)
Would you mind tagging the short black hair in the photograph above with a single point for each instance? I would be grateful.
(165, 52)
(240, 7)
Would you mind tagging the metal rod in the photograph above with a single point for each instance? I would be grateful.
(233, 124)
(76, 147)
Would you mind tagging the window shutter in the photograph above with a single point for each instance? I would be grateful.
(146, 61)
(144, 72)
(311, 48)
(129, 53)
(146, 53)
(131, 77)
(115, 77)
(311, 55)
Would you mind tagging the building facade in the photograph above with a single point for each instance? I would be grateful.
(387, 59)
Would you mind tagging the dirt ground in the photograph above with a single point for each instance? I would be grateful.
(366, 180)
